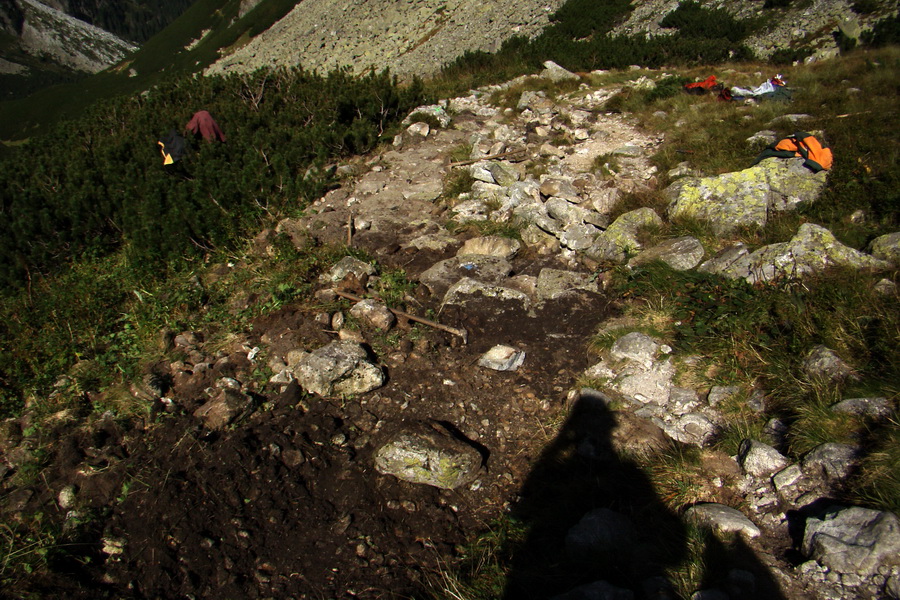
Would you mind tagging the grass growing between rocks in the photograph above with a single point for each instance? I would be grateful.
(758, 337)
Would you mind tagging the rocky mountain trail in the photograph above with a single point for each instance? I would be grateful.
(344, 450)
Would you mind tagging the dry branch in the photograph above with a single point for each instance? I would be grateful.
(472, 161)
(457, 332)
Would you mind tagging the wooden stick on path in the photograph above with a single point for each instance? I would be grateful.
(458, 332)
(472, 161)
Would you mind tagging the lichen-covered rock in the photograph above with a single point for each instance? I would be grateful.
(812, 250)
(620, 241)
(823, 363)
(887, 247)
(682, 253)
(429, 456)
(503, 174)
(745, 198)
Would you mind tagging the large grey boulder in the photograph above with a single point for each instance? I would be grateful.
(638, 347)
(567, 213)
(812, 250)
(745, 198)
(555, 283)
(341, 368)
(558, 187)
(578, 236)
(556, 73)
(491, 245)
(831, 461)
(646, 386)
(728, 260)
(854, 540)
(875, 408)
(429, 456)
(467, 289)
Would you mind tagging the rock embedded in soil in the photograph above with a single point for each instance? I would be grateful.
(502, 358)
(339, 368)
(429, 456)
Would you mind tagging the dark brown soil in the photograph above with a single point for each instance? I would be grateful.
(285, 502)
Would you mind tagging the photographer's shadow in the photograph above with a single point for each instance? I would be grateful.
(594, 519)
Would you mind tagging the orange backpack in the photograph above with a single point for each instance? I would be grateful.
(816, 156)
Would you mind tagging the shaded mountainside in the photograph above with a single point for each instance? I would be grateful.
(49, 43)
(133, 20)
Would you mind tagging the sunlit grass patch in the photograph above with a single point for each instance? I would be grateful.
(456, 183)
(816, 423)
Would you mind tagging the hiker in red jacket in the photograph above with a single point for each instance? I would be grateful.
(202, 124)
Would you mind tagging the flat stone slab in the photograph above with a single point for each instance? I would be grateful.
(722, 519)
(502, 358)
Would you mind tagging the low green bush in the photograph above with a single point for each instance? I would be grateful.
(696, 21)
